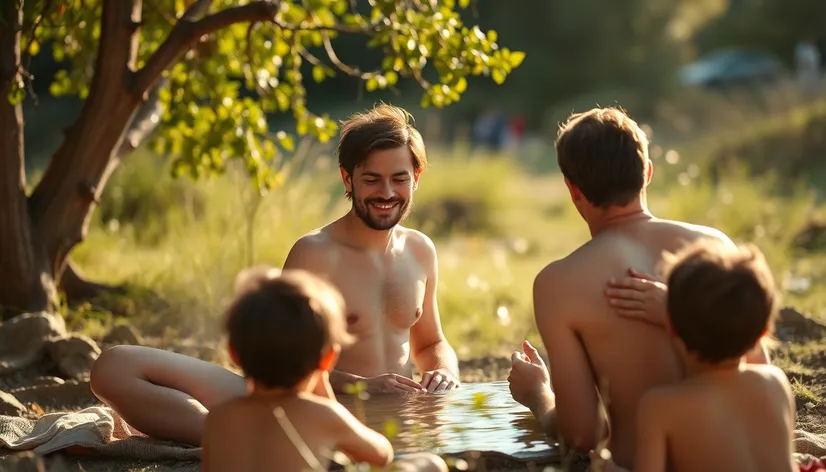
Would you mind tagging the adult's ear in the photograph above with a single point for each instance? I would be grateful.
(347, 179)
(576, 193)
(649, 172)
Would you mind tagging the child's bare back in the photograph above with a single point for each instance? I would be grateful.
(734, 419)
(245, 435)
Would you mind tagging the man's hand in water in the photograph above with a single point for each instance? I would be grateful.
(439, 380)
(392, 383)
(639, 296)
(529, 377)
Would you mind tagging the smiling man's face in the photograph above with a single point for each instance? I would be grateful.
(382, 188)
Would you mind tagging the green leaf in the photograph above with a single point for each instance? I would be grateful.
(392, 78)
(286, 141)
(498, 76)
(461, 85)
(516, 58)
(319, 74)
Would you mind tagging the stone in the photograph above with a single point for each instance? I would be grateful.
(10, 405)
(123, 334)
(793, 325)
(74, 355)
(23, 338)
(70, 394)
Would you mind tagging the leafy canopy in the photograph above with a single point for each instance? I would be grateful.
(220, 92)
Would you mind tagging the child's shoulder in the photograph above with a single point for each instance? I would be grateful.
(767, 375)
(320, 405)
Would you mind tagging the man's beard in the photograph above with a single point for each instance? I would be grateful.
(364, 209)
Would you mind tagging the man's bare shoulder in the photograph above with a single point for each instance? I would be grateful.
(422, 246)
(311, 251)
(555, 289)
(692, 232)
(560, 274)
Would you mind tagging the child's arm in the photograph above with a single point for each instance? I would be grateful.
(359, 442)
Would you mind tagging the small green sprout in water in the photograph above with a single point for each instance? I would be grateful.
(391, 429)
(480, 401)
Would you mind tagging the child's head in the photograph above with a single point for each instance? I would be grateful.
(285, 325)
(721, 300)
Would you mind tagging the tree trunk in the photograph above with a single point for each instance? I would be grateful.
(25, 274)
(37, 234)
(37, 238)
(73, 284)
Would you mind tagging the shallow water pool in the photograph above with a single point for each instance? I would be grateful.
(478, 416)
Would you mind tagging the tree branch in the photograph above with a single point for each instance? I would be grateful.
(187, 31)
(349, 70)
(199, 8)
(144, 122)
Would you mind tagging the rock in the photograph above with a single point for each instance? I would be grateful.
(71, 394)
(123, 334)
(23, 337)
(74, 355)
(11, 406)
(793, 325)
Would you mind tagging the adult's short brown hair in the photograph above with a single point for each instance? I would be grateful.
(721, 300)
(281, 323)
(604, 153)
(382, 127)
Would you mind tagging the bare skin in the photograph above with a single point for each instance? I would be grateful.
(593, 353)
(733, 416)
(642, 297)
(388, 277)
(244, 434)
(392, 309)
(392, 302)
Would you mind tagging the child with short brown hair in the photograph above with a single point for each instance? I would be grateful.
(286, 329)
(726, 414)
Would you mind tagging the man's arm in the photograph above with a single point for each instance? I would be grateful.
(433, 355)
(308, 254)
(573, 416)
(652, 450)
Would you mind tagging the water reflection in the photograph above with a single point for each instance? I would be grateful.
(479, 416)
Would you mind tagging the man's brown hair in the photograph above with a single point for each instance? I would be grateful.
(383, 127)
(605, 154)
(281, 323)
(721, 300)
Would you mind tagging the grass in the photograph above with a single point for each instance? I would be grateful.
(179, 244)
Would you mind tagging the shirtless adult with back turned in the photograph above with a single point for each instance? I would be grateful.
(592, 352)
(387, 275)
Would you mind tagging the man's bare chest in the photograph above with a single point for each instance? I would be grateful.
(381, 294)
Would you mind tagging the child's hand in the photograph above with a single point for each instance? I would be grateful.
(639, 296)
